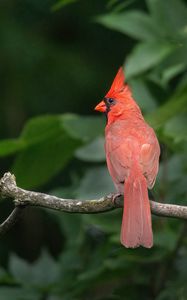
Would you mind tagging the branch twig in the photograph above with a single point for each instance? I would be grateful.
(8, 188)
(11, 220)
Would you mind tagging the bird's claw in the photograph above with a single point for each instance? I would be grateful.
(114, 197)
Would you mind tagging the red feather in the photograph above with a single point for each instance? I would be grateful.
(132, 154)
(136, 227)
(118, 86)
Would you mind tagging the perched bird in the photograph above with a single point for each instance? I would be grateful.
(132, 155)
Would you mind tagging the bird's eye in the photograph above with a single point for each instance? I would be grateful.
(110, 100)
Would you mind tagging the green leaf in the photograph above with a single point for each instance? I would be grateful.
(133, 23)
(119, 5)
(40, 162)
(11, 146)
(177, 128)
(93, 152)
(41, 273)
(20, 269)
(18, 293)
(95, 183)
(35, 131)
(62, 3)
(142, 94)
(171, 72)
(45, 270)
(47, 143)
(42, 128)
(170, 15)
(177, 104)
(145, 56)
(172, 66)
(85, 128)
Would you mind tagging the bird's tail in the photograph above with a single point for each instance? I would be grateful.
(136, 227)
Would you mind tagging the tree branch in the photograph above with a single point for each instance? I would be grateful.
(22, 198)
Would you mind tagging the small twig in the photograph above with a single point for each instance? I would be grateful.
(11, 220)
(8, 188)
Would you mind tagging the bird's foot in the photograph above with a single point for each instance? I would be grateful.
(115, 197)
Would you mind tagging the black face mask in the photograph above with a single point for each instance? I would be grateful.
(109, 102)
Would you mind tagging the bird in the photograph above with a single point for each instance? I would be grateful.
(132, 155)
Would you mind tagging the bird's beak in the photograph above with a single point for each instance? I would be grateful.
(101, 107)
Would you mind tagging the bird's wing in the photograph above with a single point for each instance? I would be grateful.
(119, 160)
(149, 161)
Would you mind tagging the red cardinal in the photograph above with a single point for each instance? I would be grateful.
(132, 154)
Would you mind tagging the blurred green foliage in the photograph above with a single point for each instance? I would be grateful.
(57, 60)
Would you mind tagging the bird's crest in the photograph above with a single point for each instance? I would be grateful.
(118, 87)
